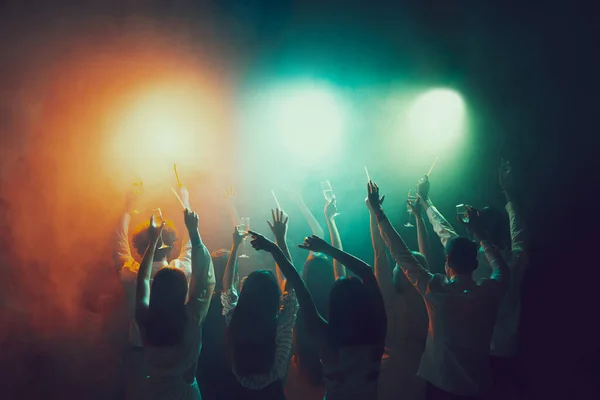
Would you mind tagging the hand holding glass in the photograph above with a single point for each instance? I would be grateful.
(327, 191)
(158, 218)
(461, 212)
(244, 227)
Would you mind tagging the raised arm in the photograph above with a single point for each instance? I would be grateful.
(331, 212)
(417, 274)
(315, 227)
(202, 282)
(517, 227)
(231, 267)
(422, 234)
(142, 295)
(441, 226)
(500, 271)
(279, 229)
(122, 258)
(184, 260)
(313, 320)
(296, 196)
(360, 268)
(383, 270)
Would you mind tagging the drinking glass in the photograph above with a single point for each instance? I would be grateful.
(409, 215)
(244, 227)
(158, 218)
(461, 212)
(327, 191)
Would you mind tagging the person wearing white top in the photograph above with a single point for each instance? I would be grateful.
(127, 270)
(461, 312)
(406, 314)
(170, 311)
(512, 244)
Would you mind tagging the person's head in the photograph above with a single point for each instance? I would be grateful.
(253, 326)
(319, 278)
(140, 240)
(166, 315)
(351, 314)
(496, 226)
(219, 259)
(461, 256)
(400, 280)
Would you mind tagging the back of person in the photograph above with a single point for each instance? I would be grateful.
(172, 368)
(355, 339)
(353, 373)
(462, 316)
(405, 341)
(214, 369)
(298, 385)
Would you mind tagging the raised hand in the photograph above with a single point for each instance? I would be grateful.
(259, 242)
(238, 237)
(315, 244)
(423, 187)
(331, 210)
(191, 220)
(369, 204)
(279, 224)
(373, 196)
(229, 195)
(473, 221)
(415, 208)
(154, 231)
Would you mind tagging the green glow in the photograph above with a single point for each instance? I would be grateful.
(438, 115)
(308, 120)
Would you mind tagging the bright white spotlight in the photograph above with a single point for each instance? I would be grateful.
(438, 116)
(159, 127)
(308, 119)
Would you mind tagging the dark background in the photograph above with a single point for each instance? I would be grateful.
(530, 69)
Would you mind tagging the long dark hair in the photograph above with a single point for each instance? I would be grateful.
(351, 316)
(166, 315)
(319, 278)
(253, 326)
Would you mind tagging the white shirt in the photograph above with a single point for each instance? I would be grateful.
(504, 341)
(127, 268)
(461, 313)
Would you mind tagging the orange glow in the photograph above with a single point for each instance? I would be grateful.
(109, 114)
(164, 123)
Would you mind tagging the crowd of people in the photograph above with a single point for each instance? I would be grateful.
(394, 330)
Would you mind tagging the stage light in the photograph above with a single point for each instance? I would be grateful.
(437, 116)
(160, 126)
(308, 119)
